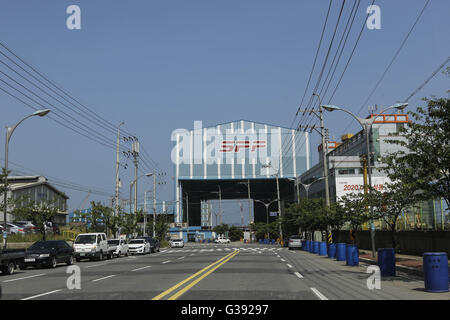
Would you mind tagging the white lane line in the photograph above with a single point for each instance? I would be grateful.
(191, 255)
(298, 275)
(320, 295)
(40, 295)
(36, 275)
(96, 265)
(180, 258)
(113, 275)
(282, 260)
(166, 261)
(141, 268)
(289, 265)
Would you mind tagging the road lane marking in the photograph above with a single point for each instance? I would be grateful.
(163, 294)
(141, 268)
(167, 261)
(40, 295)
(180, 258)
(283, 260)
(298, 275)
(113, 275)
(193, 283)
(36, 275)
(320, 295)
(96, 265)
(289, 265)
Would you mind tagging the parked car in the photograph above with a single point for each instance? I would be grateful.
(154, 245)
(141, 246)
(14, 229)
(28, 226)
(118, 247)
(295, 242)
(91, 246)
(222, 240)
(48, 253)
(10, 259)
(176, 243)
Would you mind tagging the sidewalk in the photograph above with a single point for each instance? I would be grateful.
(404, 263)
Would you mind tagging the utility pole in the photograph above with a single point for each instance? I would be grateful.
(145, 212)
(220, 205)
(279, 207)
(242, 214)
(135, 156)
(116, 207)
(187, 215)
(249, 203)
(154, 203)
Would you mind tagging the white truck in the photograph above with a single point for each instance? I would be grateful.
(118, 247)
(92, 246)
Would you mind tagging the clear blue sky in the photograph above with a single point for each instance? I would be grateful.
(160, 65)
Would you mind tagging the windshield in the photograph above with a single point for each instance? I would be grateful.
(83, 239)
(116, 242)
(42, 245)
(135, 241)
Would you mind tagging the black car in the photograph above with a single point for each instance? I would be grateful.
(48, 253)
(154, 243)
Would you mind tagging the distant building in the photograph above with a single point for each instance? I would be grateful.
(38, 190)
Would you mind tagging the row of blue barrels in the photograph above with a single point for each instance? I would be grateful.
(338, 251)
(267, 241)
(435, 264)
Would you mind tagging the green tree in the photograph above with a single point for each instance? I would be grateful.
(162, 226)
(221, 229)
(235, 233)
(423, 161)
(389, 205)
(37, 212)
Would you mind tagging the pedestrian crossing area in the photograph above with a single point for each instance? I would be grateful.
(218, 249)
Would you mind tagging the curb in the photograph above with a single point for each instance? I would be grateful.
(409, 270)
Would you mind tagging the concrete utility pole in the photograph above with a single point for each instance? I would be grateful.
(279, 207)
(242, 214)
(154, 203)
(220, 205)
(135, 156)
(116, 198)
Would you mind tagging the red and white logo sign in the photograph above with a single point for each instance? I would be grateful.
(237, 145)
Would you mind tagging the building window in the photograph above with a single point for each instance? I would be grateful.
(346, 171)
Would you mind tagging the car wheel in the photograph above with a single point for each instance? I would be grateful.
(70, 261)
(53, 263)
(9, 269)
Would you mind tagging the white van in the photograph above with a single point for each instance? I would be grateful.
(91, 246)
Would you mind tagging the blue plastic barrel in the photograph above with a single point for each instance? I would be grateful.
(332, 250)
(435, 271)
(303, 245)
(306, 245)
(340, 251)
(315, 247)
(273, 241)
(352, 256)
(311, 246)
(386, 262)
(322, 248)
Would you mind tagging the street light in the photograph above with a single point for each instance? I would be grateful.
(366, 124)
(267, 210)
(9, 132)
(306, 186)
(131, 188)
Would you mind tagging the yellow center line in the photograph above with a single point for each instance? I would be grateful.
(193, 283)
(161, 295)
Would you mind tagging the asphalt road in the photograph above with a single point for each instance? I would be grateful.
(213, 272)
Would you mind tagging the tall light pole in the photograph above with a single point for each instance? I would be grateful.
(267, 209)
(366, 125)
(9, 132)
(307, 186)
(131, 188)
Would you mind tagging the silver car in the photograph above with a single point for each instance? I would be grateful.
(295, 242)
(176, 243)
